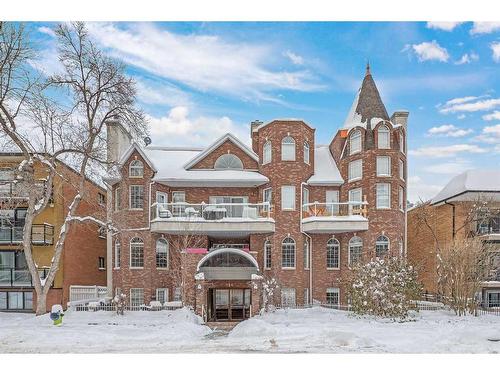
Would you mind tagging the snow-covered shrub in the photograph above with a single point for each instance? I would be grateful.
(383, 287)
(120, 301)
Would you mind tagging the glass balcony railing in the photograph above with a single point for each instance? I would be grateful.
(333, 209)
(19, 276)
(41, 234)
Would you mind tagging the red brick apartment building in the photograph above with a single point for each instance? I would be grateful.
(213, 227)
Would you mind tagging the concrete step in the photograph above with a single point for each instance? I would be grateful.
(222, 326)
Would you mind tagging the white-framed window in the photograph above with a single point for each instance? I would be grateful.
(267, 197)
(355, 170)
(228, 161)
(288, 197)
(383, 166)
(306, 152)
(118, 254)
(401, 198)
(136, 253)
(383, 137)
(356, 195)
(355, 142)
(383, 195)
(332, 254)
(288, 297)
(306, 296)
(402, 143)
(102, 263)
(177, 293)
(118, 198)
(178, 197)
(288, 253)
(355, 250)
(161, 253)
(288, 149)
(401, 169)
(267, 255)
(136, 194)
(381, 246)
(332, 200)
(161, 197)
(136, 168)
(162, 295)
(267, 152)
(101, 199)
(306, 254)
(305, 195)
(136, 296)
(332, 296)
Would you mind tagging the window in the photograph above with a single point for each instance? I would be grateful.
(136, 169)
(118, 199)
(306, 152)
(267, 153)
(287, 297)
(355, 170)
(136, 253)
(162, 295)
(306, 254)
(355, 250)
(288, 197)
(136, 296)
(401, 169)
(305, 196)
(267, 198)
(161, 253)
(402, 142)
(178, 197)
(267, 255)
(355, 195)
(101, 199)
(16, 300)
(288, 149)
(383, 137)
(383, 195)
(136, 196)
(332, 296)
(383, 166)
(401, 198)
(118, 254)
(161, 197)
(177, 293)
(355, 142)
(332, 253)
(381, 246)
(101, 232)
(102, 263)
(288, 253)
(228, 161)
(306, 296)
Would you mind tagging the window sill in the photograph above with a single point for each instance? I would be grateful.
(136, 268)
(102, 269)
(384, 175)
(383, 208)
(116, 268)
(333, 268)
(288, 268)
(162, 268)
(136, 176)
(355, 179)
(136, 209)
(288, 209)
(267, 269)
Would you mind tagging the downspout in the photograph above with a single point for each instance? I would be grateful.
(149, 209)
(109, 242)
(452, 219)
(310, 245)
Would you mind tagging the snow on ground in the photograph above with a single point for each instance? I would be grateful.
(309, 330)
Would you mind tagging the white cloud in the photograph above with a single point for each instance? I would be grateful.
(445, 26)
(490, 135)
(419, 189)
(430, 51)
(448, 131)
(149, 92)
(467, 58)
(447, 151)
(294, 58)
(47, 30)
(492, 116)
(204, 62)
(179, 128)
(469, 104)
(495, 48)
(484, 27)
(449, 168)
(461, 116)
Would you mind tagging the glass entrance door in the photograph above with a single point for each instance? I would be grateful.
(230, 304)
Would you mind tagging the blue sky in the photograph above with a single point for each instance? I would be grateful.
(197, 81)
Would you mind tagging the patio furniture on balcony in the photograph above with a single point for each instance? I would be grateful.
(334, 217)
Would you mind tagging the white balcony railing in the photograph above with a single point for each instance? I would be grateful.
(334, 209)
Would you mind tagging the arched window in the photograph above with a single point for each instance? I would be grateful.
(288, 148)
(383, 137)
(381, 246)
(267, 255)
(136, 169)
(355, 250)
(117, 254)
(161, 253)
(332, 253)
(306, 152)
(136, 253)
(267, 152)
(228, 161)
(288, 253)
(355, 142)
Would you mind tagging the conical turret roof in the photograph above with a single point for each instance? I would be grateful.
(367, 105)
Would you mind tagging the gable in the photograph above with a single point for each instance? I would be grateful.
(227, 147)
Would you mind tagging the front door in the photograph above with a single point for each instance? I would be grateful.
(229, 304)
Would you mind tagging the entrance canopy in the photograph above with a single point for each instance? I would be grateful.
(227, 258)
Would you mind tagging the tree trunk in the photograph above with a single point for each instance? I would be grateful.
(41, 303)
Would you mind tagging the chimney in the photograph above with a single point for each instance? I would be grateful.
(118, 140)
(254, 135)
(400, 118)
(254, 125)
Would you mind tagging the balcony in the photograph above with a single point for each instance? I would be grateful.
(41, 235)
(334, 217)
(13, 190)
(489, 228)
(217, 220)
(15, 277)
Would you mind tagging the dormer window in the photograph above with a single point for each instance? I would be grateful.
(267, 153)
(136, 169)
(355, 142)
(288, 149)
(228, 161)
(306, 152)
(383, 137)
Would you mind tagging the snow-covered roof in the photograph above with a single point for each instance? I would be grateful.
(283, 120)
(325, 168)
(471, 181)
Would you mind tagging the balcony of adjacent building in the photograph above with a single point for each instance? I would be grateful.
(214, 219)
(41, 234)
(19, 277)
(334, 217)
(489, 228)
(11, 190)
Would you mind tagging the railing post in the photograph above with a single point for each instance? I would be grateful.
(349, 209)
